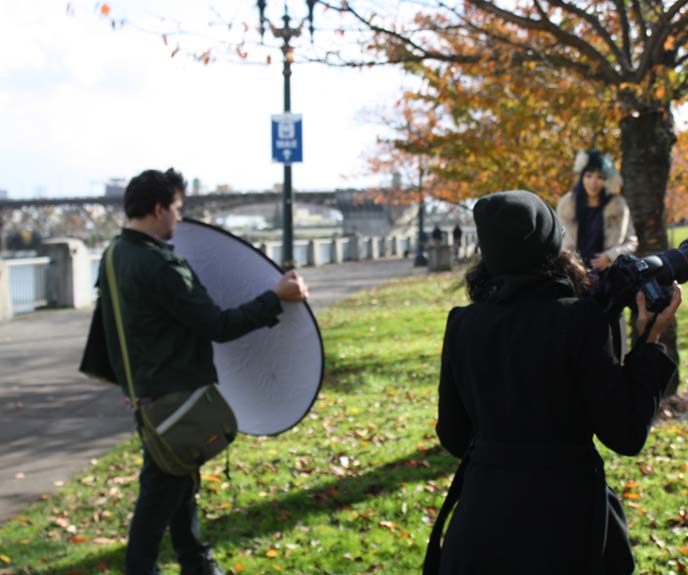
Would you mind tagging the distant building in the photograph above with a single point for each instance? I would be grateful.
(4, 194)
(196, 187)
(114, 187)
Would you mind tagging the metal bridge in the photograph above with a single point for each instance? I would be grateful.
(100, 217)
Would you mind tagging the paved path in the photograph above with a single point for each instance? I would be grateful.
(53, 420)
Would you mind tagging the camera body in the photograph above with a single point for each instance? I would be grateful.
(629, 275)
(653, 275)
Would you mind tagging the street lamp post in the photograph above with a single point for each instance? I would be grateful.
(286, 33)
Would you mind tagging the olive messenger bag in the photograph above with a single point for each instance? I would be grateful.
(181, 430)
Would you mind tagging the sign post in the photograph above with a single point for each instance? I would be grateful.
(287, 149)
(287, 138)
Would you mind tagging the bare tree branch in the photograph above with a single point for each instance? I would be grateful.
(546, 25)
(624, 62)
(520, 51)
(676, 8)
(678, 28)
(423, 54)
(661, 30)
(625, 30)
(642, 25)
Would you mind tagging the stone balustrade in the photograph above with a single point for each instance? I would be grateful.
(71, 268)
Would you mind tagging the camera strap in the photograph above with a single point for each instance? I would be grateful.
(646, 331)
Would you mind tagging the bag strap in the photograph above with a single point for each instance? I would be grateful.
(139, 413)
(431, 564)
(117, 310)
(143, 421)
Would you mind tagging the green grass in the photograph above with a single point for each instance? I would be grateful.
(677, 235)
(355, 487)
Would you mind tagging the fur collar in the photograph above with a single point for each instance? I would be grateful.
(614, 208)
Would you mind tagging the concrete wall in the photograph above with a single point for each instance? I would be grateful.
(69, 273)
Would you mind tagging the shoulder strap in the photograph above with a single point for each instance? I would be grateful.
(117, 311)
(431, 563)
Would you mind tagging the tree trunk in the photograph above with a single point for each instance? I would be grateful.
(646, 143)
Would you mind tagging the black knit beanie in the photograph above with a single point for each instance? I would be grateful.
(516, 232)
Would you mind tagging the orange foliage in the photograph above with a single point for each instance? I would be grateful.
(512, 130)
(519, 87)
(677, 191)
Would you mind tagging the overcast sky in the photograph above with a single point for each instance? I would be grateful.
(81, 103)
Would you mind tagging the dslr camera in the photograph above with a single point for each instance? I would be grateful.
(653, 275)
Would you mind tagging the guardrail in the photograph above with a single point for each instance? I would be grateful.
(69, 278)
(95, 265)
(28, 279)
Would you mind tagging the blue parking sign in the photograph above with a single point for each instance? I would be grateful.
(287, 141)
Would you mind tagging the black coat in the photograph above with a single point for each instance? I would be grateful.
(527, 379)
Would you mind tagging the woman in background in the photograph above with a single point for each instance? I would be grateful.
(599, 227)
(595, 216)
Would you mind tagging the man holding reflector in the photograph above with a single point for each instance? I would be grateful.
(159, 323)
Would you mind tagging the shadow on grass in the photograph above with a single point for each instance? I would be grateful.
(284, 512)
(347, 377)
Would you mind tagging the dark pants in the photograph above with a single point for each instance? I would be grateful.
(164, 500)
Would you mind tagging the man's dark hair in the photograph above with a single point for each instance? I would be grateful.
(150, 188)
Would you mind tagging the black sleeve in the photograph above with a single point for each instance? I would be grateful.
(454, 427)
(622, 400)
(184, 297)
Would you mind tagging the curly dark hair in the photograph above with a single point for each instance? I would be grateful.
(150, 188)
(565, 265)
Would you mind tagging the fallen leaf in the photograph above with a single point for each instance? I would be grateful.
(661, 544)
(387, 524)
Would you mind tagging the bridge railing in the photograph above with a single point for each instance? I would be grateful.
(67, 279)
(94, 259)
(28, 279)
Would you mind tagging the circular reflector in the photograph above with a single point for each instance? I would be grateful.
(270, 376)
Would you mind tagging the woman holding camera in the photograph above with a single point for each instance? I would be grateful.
(527, 379)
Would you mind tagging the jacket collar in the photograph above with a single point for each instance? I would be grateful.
(137, 237)
(502, 289)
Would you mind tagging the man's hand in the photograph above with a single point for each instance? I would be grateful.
(291, 287)
(601, 262)
(663, 319)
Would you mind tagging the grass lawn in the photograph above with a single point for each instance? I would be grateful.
(677, 235)
(355, 487)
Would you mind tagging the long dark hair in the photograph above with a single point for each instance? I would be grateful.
(564, 266)
(582, 198)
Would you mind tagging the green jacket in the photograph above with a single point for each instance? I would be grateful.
(169, 319)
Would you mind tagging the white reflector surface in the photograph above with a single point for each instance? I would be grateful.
(270, 376)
